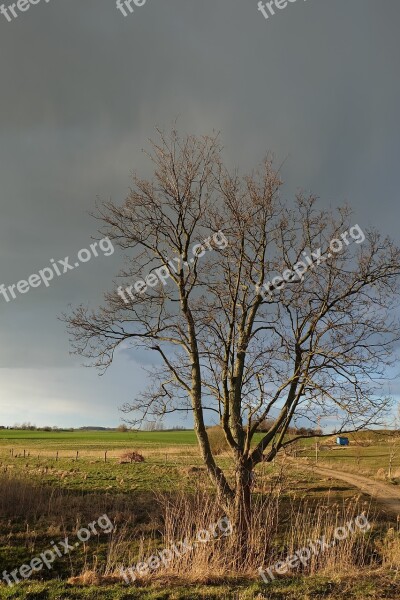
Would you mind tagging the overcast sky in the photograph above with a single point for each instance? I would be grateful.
(82, 88)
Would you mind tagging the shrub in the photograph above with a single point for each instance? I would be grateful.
(131, 457)
(217, 438)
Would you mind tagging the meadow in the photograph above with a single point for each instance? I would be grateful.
(53, 483)
(369, 453)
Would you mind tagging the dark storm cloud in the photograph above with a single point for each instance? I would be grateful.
(83, 88)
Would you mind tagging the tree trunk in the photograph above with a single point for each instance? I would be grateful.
(241, 513)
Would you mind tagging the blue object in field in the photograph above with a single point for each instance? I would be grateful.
(342, 441)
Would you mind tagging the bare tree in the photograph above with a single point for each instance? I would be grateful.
(316, 345)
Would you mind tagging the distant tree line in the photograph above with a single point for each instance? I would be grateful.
(30, 427)
(267, 424)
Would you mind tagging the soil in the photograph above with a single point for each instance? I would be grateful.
(384, 493)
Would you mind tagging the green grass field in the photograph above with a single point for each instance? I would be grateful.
(368, 453)
(101, 440)
(373, 586)
(43, 498)
(367, 449)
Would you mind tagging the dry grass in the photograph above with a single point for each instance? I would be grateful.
(311, 522)
(280, 527)
(389, 547)
(218, 442)
(97, 454)
(56, 510)
(273, 536)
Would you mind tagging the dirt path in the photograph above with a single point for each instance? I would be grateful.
(386, 494)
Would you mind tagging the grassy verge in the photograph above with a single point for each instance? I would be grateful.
(363, 585)
(44, 499)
